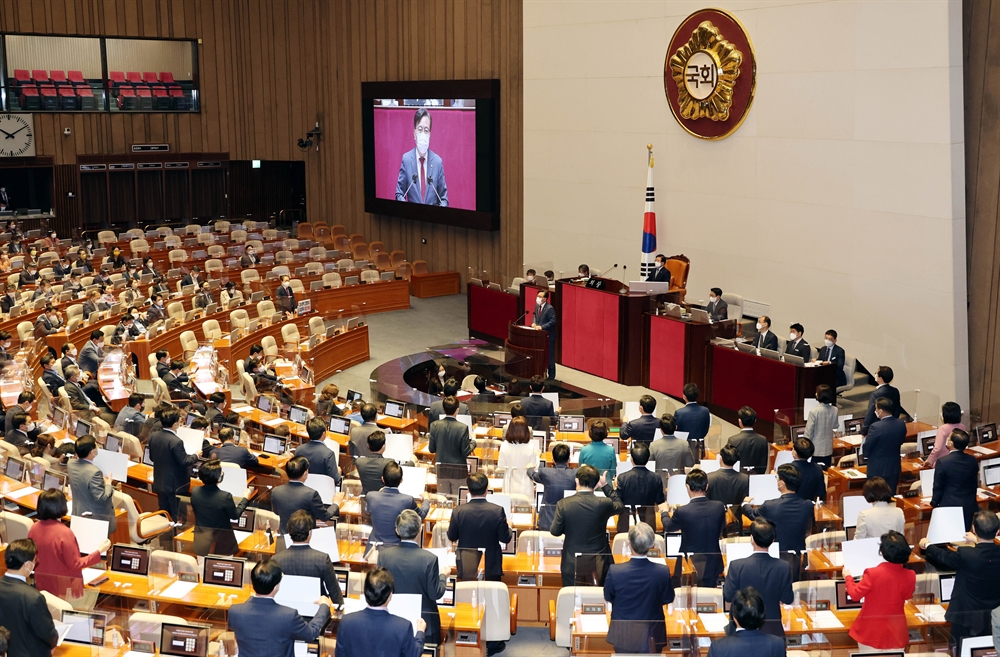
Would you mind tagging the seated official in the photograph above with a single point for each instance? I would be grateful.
(796, 345)
(483, 395)
(322, 459)
(385, 505)
(214, 509)
(813, 486)
(884, 591)
(230, 452)
(300, 560)
(637, 591)
(249, 258)
(219, 412)
(555, 482)
(49, 321)
(131, 418)
(643, 428)
(288, 498)
(718, 309)
(373, 631)
(701, 523)
(204, 297)
(883, 515)
(583, 519)
(583, 271)
(765, 338)
(748, 614)
(263, 628)
(771, 577)
(660, 273)
(752, 447)
(640, 486)
(327, 404)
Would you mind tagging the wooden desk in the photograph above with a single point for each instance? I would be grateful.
(203, 596)
(436, 284)
(675, 353)
(489, 312)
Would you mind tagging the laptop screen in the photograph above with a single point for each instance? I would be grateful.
(224, 572)
(340, 425)
(572, 423)
(14, 469)
(947, 586)
(448, 599)
(274, 444)
(59, 417)
(85, 628)
(82, 428)
(394, 409)
(298, 414)
(129, 559)
(853, 426)
(500, 420)
(146, 458)
(986, 433)
(264, 403)
(55, 480)
(353, 396)
(113, 443)
(184, 640)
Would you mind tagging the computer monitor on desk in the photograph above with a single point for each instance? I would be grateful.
(698, 315)
(793, 359)
(770, 353)
(745, 347)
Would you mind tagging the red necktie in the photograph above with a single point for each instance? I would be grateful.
(423, 180)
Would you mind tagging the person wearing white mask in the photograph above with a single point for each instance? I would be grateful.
(765, 339)
(718, 310)
(421, 172)
(796, 345)
(832, 353)
(660, 273)
(285, 296)
(545, 319)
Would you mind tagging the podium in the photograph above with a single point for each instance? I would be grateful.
(533, 345)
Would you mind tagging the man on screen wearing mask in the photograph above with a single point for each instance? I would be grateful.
(421, 173)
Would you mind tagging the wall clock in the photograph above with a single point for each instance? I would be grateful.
(17, 135)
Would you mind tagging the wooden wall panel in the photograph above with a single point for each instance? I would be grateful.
(270, 69)
(981, 50)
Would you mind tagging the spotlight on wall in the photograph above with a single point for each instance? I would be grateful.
(312, 137)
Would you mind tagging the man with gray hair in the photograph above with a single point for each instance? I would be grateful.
(416, 570)
(637, 591)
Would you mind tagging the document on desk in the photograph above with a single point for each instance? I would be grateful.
(112, 464)
(715, 623)
(90, 533)
(594, 623)
(860, 554)
(241, 408)
(932, 613)
(947, 525)
(179, 589)
(854, 440)
(300, 593)
(826, 619)
(835, 558)
(21, 492)
(273, 422)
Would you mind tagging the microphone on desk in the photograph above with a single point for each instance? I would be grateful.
(522, 316)
(407, 192)
(605, 273)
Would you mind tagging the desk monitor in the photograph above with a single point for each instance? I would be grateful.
(55, 480)
(947, 581)
(991, 475)
(246, 521)
(860, 452)
(700, 316)
(388, 276)
(463, 494)
(298, 414)
(572, 423)
(340, 425)
(927, 445)
(223, 571)
(770, 353)
(797, 431)
(986, 433)
(263, 404)
(256, 296)
(473, 463)
(745, 347)
(511, 546)
(146, 458)
(145, 647)
(394, 408)
(853, 426)
(129, 559)
(845, 601)
(59, 417)
(343, 575)
(274, 444)
(14, 469)
(87, 627)
(614, 442)
(353, 396)
(304, 307)
(184, 640)
(792, 359)
(82, 428)
(351, 280)
(983, 652)
(113, 443)
(673, 545)
(500, 420)
(448, 599)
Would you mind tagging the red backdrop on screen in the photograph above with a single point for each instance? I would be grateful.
(453, 137)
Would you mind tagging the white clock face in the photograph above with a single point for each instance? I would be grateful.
(17, 135)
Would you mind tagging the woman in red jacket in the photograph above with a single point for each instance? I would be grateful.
(881, 625)
(59, 566)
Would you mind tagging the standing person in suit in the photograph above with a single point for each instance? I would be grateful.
(91, 490)
(263, 628)
(882, 443)
(583, 519)
(249, 257)
(977, 568)
(765, 338)
(643, 428)
(4, 199)
(284, 296)
(373, 631)
(289, 498)
(640, 486)
(436, 411)
(358, 444)
(421, 171)
(796, 345)
(23, 610)
(545, 319)
(230, 452)
(718, 309)
(813, 486)
(701, 523)
(416, 571)
(385, 505)
(598, 453)
(693, 419)
(537, 408)
(93, 352)
(748, 613)
(883, 378)
(883, 515)
(480, 524)
(881, 625)
(752, 447)
(371, 468)
(951, 419)
(637, 591)
(556, 481)
(214, 508)
(660, 273)
(769, 576)
(792, 516)
(728, 485)
(298, 559)
(671, 454)
(820, 425)
(956, 477)
(322, 459)
(171, 464)
(833, 354)
(451, 445)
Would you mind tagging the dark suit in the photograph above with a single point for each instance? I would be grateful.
(90, 358)
(637, 591)
(163, 369)
(249, 261)
(436, 411)
(659, 275)
(47, 326)
(890, 393)
(322, 459)
(289, 498)
(748, 642)
(304, 561)
(731, 488)
(813, 487)
(431, 180)
(693, 419)
(178, 383)
(701, 523)
(536, 408)
(263, 628)
(799, 348)
(284, 299)
(170, 469)
(230, 452)
(377, 633)
(416, 571)
(718, 311)
(370, 472)
(545, 318)
(772, 579)
(22, 438)
(384, 506)
(792, 517)
(556, 481)
(838, 358)
(213, 509)
(59, 270)
(190, 279)
(203, 300)
(976, 591)
(642, 429)
(7, 302)
(23, 611)
(881, 449)
(766, 341)
(640, 487)
(753, 449)
(956, 477)
(26, 278)
(481, 524)
(154, 314)
(53, 381)
(583, 518)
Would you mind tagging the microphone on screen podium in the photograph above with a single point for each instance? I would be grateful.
(430, 183)
(406, 194)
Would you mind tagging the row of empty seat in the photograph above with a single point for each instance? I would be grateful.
(148, 78)
(55, 90)
(40, 76)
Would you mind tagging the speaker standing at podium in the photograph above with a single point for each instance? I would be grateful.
(545, 319)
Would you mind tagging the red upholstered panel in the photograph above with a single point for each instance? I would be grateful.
(589, 331)
(666, 355)
(740, 379)
(490, 311)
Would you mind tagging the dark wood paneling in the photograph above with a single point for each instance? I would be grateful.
(65, 181)
(93, 199)
(149, 185)
(176, 194)
(121, 200)
(208, 193)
